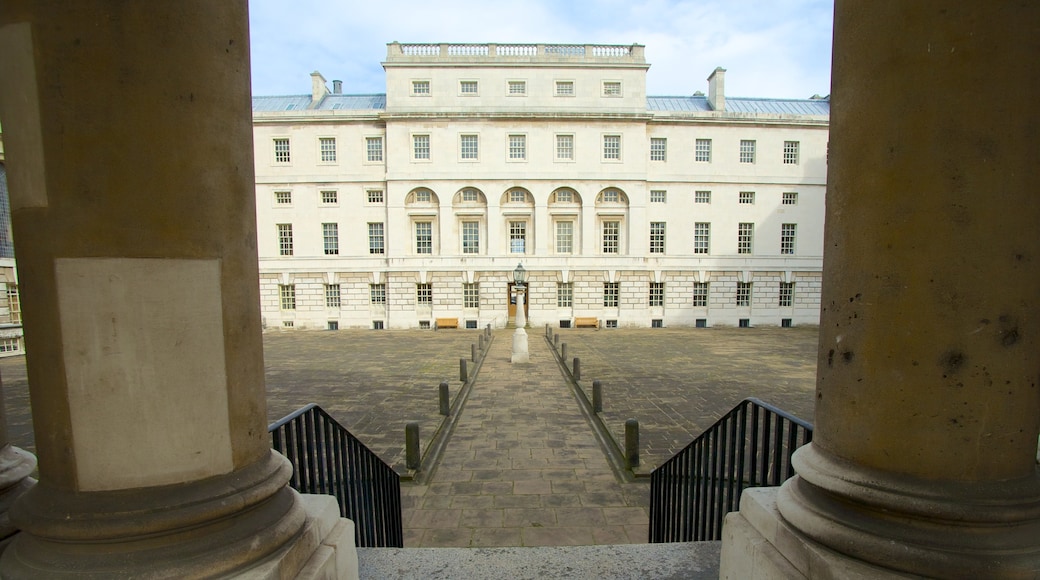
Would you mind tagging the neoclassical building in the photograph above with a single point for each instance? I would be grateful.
(393, 210)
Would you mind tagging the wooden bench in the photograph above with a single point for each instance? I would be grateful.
(586, 322)
(447, 323)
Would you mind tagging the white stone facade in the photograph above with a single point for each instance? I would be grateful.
(417, 204)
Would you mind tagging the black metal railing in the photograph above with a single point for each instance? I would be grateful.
(750, 446)
(328, 460)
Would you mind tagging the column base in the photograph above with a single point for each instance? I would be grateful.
(15, 467)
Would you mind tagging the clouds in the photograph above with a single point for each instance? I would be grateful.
(771, 48)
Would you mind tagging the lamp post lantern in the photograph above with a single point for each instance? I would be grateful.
(520, 351)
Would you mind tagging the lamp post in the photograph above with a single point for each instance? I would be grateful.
(520, 352)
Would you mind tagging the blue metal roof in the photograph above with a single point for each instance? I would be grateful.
(354, 102)
(283, 103)
(699, 103)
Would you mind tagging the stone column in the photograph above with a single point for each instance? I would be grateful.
(129, 144)
(927, 400)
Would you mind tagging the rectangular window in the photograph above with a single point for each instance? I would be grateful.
(787, 236)
(375, 238)
(611, 196)
(611, 237)
(424, 293)
(423, 196)
(517, 196)
(702, 238)
(790, 152)
(565, 196)
(468, 87)
(564, 237)
(332, 296)
(700, 294)
(564, 88)
(517, 237)
(517, 87)
(330, 197)
(14, 304)
(471, 295)
(468, 147)
(469, 195)
(657, 294)
(327, 145)
(747, 151)
(702, 197)
(743, 293)
(747, 197)
(786, 293)
(658, 195)
(10, 345)
(281, 151)
(564, 294)
(656, 237)
(470, 237)
(285, 242)
(658, 149)
(374, 147)
(565, 147)
(283, 197)
(611, 88)
(610, 294)
(377, 293)
(612, 147)
(517, 147)
(702, 151)
(330, 234)
(423, 237)
(745, 237)
(420, 146)
(375, 195)
(790, 198)
(287, 296)
(420, 87)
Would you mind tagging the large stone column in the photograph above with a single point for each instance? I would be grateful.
(129, 145)
(927, 401)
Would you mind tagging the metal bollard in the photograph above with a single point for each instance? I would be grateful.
(473, 352)
(631, 443)
(597, 397)
(445, 407)
(577, 369)
(411, 445)
(563, 352)
(548, 330)
(480, 341)
(462, 370)
(556, 341)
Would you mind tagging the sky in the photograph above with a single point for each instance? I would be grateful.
(769, 48)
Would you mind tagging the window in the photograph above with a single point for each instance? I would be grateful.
(611, 88)
(470, 195)
(565, 147)
(745, 236)
(657, 294)
(377, 293)
(747, 197)
(702, 151)
(786, 293)
(283, 197)
(564, 294)
(468, 87)
(424, 293)
(330, 233)
(468, 147)
(656, 237)
(517, 147)
(787, 235)
(377, 325)
(517, 87)
(375, 195)
(790, 152)
(564, 88)
(287, 296)
(471, 295)
(610, 294)
(790, 198)
(420, 146)
(517, 237)
(423, 237)
(611, 196)
(564, 196)
(375, 238)
(702, 197)
(9, 345)
(517, 196)
(658, 195)
(287, 324)
(285, 244)
(327, 147)
(14, 304)
(374, 147)
(564, 237)
(612, 147)
(747, 151)
(420, 87)
(330, 197)
(658, 148)
(743, 293)
(332, 296)
(281, 151)
(470, 237)
(700, 294)
(333, 325)
(702, 238)
(423, 196)
(611, 237)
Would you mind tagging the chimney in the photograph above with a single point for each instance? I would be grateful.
(717, 89)
(337, 87)
(318, 88)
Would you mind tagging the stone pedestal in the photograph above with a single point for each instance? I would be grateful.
(520, 354)
(16, 466)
